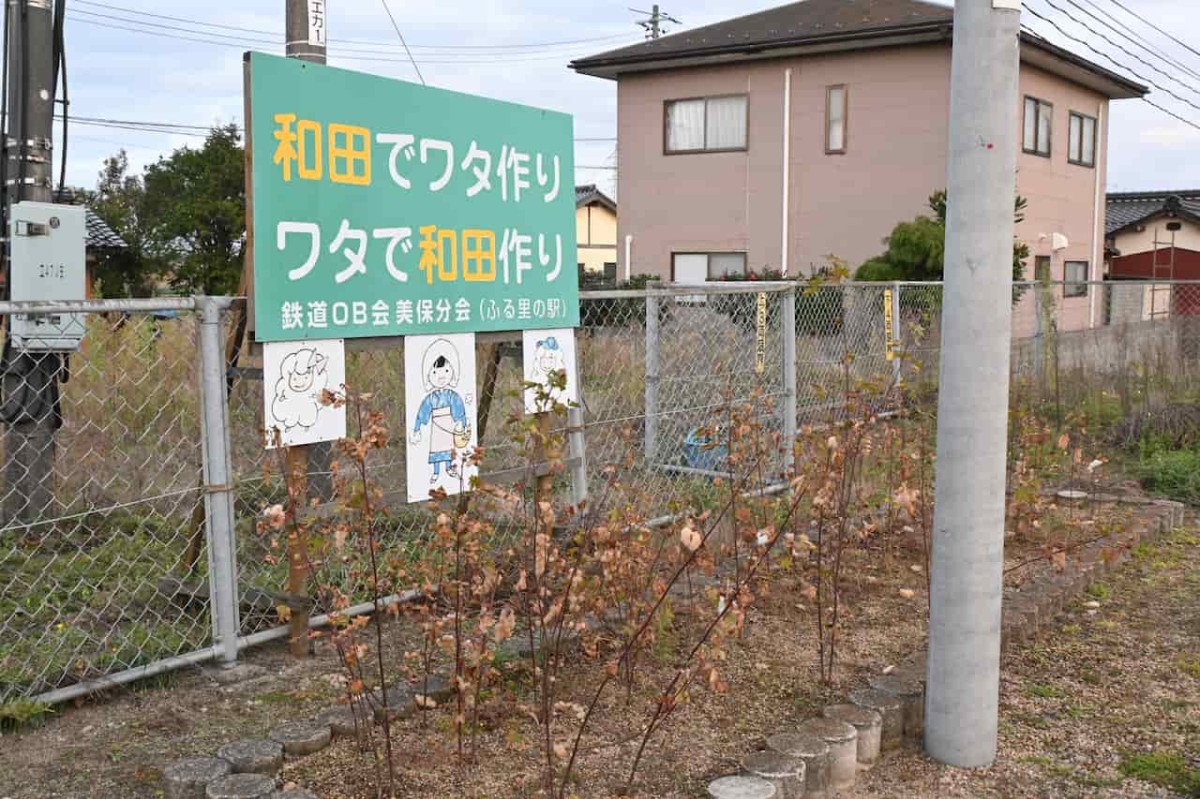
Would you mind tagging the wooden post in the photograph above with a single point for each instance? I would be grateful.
(544, 451)
(297, 553)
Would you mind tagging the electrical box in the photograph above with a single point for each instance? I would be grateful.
(47, 248)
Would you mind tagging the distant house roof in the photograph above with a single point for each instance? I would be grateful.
(99, 234)
(588, 193)
(830, 25)
(1126, 209)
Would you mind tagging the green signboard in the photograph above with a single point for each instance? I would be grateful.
(384, 208)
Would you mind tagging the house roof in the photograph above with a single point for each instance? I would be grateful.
(812, 26)
(99, 234)
(588, 193)
(1125, 209)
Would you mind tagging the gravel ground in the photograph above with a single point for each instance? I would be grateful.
(1109, 690)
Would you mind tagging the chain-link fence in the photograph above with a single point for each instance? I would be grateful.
(130, 545)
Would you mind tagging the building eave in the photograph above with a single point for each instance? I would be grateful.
(1035, 51)
(611, 68)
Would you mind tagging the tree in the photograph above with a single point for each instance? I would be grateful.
(119, 199)
(916, 250)
(195, 201)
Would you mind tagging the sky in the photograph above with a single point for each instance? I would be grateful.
(125, 63)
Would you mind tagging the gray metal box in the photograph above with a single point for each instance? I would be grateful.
(49, 262)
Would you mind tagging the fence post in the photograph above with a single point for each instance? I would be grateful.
(787, 324)
(577, 453)
(1039, 334)
(218, 479)
(897, 357)
(650, 445)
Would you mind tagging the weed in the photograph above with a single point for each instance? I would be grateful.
(1044, 691)
(23, 713)
(1169, 770)
(1189, 665)
(1098, 591)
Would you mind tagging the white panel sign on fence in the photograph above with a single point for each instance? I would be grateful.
(299, 380)
(545, 352)
(439, 409)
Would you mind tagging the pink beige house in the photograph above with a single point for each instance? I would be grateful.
(777, 139)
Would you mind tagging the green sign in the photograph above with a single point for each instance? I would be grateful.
(383, 208)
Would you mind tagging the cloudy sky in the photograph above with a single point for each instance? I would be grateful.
(177, 65)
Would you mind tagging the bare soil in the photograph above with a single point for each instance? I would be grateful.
(1124, 688)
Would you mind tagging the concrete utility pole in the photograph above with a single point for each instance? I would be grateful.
(30, 407)
(962, 689)
(653, 25)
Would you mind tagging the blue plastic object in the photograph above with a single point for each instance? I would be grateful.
(701, 452)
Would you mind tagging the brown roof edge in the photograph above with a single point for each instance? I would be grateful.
(604, 67)
(1070, 65)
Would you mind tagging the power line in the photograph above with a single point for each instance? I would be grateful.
(337, 53)
(372, 44)
(1120, 47)
(1105, 55)
(401, 36)
(1186, 121)
(1134, 14)
(1134, 36)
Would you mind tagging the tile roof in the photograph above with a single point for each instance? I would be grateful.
(99, 234)
(833, 25)
(1129, 208)
(807, 19)
(588, 193)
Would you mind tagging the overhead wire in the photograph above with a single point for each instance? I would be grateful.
(396, 27)
(1137, 16)
(1116, 24)
(1116, 63)
(1122, 48)
(375, 43)
(334, 51)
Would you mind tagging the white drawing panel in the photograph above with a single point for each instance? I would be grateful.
(545, 351)
(295, 373)
(439, 413)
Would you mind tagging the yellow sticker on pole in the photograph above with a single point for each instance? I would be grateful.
(888, 336)
(760, 338)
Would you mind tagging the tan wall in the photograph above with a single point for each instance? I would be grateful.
(898, 110)
(841, 204)
(1131, 241)
(596, 236)
(1062, 196)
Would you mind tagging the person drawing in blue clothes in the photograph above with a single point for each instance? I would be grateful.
(442, 409)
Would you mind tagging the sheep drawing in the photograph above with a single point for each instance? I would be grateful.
(303, 376)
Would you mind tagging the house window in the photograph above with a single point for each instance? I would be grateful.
(1075, 275)
(1038, 116)
(701, 267)
(835, 119)
(1041, 268)
(1081, 140)
(706, 124)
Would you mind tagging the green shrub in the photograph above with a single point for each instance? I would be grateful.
(1173, 473)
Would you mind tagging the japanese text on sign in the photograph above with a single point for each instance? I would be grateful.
(412, 211)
